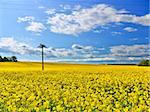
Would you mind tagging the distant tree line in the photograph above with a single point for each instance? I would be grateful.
(144, 63)
(8, 59)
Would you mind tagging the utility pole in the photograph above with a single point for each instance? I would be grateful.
(42, 46)
(42, 59)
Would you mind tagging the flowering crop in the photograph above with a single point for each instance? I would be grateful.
(69, 88)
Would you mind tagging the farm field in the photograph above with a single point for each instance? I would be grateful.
(73, 88)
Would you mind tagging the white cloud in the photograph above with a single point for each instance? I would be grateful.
(7, 41)
(36, 27)
(25, 19)
(65, 7)
(133, 39)
(69, 8)
(130, 29)
(98, 31)
(86, 51)
(87, 19)
(130, 51)
(80, 47)
(78, 52)
(33, 26)
(50, 11)
(77, 7)
(123, 11)
(144, 20)
(8, 44)
(58, 52)
(116, 33)
(119, 24)
(41, 7)
(96, 59)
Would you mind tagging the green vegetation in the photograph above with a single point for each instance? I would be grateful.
(144, 63)
(8, 59)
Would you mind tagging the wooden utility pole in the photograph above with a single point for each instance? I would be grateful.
(42, 59)
(42, 46)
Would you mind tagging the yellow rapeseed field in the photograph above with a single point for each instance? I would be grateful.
(73, 88)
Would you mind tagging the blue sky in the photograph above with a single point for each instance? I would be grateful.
(96, 31)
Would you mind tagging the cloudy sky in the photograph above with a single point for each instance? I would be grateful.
(85, 31)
